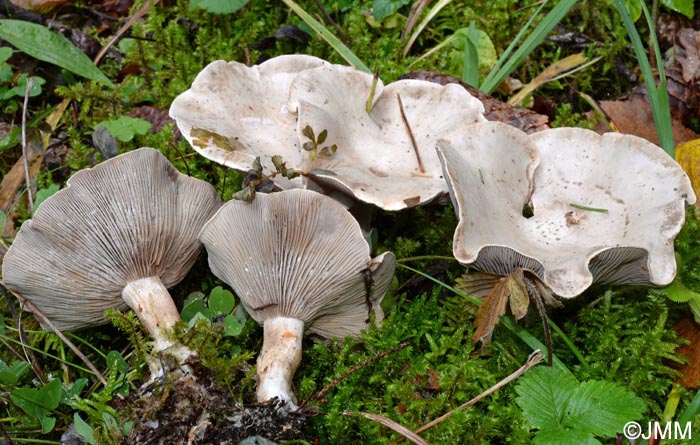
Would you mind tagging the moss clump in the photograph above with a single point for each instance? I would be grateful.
(432, 375)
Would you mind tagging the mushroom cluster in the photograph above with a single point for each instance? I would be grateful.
(299, 262)
(376, 144)
(605, 208)
(119, 235)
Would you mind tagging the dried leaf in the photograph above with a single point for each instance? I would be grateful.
(690, 61)
(247, 194)
(257, 166)
(519, 298)
(688, 156)
(402, 430)
(477, 284)
(490, 312)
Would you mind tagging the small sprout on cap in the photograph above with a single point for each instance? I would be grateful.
(119, 235)
(298, 262)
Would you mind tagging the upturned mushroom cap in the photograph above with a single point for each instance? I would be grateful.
(129, 218)
(376, 161)
(234, 113)
(606, 208)
(298, 254)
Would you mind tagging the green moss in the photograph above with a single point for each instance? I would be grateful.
(431, 376)
(628, 339)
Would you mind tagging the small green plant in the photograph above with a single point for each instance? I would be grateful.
(314, 145)
(220, 308)
(564, 410)
(124, 128)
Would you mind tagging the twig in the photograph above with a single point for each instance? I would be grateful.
(45, 321)
(24, 145)
(539, 304)
(532, 360)
(7, 437)
(352, 370)
(416, 10)
(332, 22)
(405, 432)
(129, 23)
(28, 354)
(410, 134)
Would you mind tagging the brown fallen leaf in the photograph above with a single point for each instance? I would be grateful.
(690, 57)
(634, 116)
(490, 312)
(519, 298)
(494, 109)
(688, 156)
(690, 372)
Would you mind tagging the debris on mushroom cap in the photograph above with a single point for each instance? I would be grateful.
(297, 254)
(234, 113)
(129, 218)
(605, 208)
(299, 262)
(386, 156)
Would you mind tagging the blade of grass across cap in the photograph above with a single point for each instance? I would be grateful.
(328, 36)
(506, 63)
(658, 97)
(506, 321)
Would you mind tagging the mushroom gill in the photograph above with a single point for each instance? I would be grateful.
(299, 262)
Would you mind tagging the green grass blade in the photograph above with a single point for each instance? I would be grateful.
(328, 36)
(658, 97)
(507, 64)
(470, 62)
(691, 411)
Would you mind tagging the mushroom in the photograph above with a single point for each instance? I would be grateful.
(385, 156)
(119, 235)
(385, 135)
(606, 208)
(234, 113)
(298, 262)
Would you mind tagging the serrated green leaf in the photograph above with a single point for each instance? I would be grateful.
(602, 408)
(83, 429)
(544, 394)
(564, 437)
(43, 44)
(685, 7)
(124, 128)
(218, 6)
(678, 292)
(221, 301)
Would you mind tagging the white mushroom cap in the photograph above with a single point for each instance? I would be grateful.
(492, 169)
(234, 113)
(375, 159)
(299, 262)
(130, 218)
